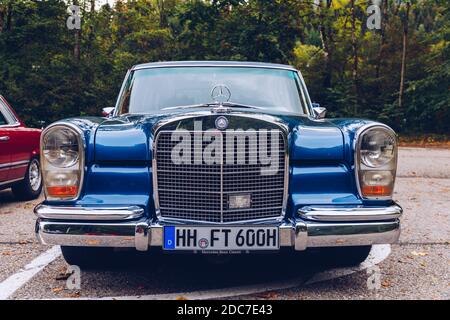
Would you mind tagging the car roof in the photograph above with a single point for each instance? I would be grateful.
(169, 64)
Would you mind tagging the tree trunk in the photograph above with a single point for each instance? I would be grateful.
(384, 21)
(326, 38)
(9, 12)
(76, 47)
(405, 46)
(2, 18)
(77, 36)
(162, 14)
(355, 56)
(91, 23)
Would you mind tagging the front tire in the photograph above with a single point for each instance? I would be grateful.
(345, 256)
(87, 257)
(31, 186)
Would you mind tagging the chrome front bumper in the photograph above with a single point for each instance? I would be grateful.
(314, 227)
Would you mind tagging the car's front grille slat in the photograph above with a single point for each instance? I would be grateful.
(201, 192)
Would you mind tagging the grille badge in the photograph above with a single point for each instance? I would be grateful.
(221, 123)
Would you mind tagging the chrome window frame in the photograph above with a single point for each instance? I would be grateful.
(357, 157)
(10, 118)
(81, 142)
(304, 94)
(158, 128)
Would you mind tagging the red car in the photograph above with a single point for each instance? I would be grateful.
(20, 169)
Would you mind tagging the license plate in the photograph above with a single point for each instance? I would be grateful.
(220, 238)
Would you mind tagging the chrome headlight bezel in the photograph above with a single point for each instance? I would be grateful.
(75, 167)
(362, 165)
(53, 156)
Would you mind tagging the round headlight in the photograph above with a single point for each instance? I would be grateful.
(377, 147)
(60, 147)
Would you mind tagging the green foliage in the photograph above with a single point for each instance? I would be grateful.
(349, 69)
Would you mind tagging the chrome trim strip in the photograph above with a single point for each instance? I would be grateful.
(298, 234)
(322, 234)
(336, 214)
(157, 128)
(221, 174)
(15, 164)
(357, 160)
(142, 235)
(88, 213)
(122, 88)
(261, 221)
(229, 192)
(14, 125)
(118, 235)
(209, 65)
(81, 143)
(4, 183)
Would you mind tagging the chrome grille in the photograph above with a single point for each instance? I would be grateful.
(200, 192)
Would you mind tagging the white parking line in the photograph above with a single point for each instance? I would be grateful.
(17, 280)
(377, 255)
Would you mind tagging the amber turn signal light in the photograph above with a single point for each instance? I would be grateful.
(376, 190)
(62, 191)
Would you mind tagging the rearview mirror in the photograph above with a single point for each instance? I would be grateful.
(319, 112)
(107, 112)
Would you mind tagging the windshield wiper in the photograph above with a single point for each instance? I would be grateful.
(215, 104)
(239, 105)
(200, 105)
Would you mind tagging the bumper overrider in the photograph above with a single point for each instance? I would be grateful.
(314, 226)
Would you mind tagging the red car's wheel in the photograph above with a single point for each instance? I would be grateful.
(31, 186)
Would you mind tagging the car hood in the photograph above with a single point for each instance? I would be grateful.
(129, 138)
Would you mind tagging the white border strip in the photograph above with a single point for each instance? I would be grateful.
(17, 280)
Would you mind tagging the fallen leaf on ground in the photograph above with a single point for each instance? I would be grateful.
(180, 298)
(7, 253)
(386, 283)
(25, 241)
(419, 253)
(56, 290)
(93, 242)
(28, 205)
(73, 295)
(62, 269)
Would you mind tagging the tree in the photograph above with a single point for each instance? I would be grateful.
(405, 22)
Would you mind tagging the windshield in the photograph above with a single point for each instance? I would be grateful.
(154, 90)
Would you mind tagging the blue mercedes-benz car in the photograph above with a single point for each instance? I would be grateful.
(218, 158)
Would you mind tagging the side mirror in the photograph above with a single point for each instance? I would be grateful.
(107, 112)
(319, 112)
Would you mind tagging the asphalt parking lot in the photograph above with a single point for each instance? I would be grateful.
(416, 268)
